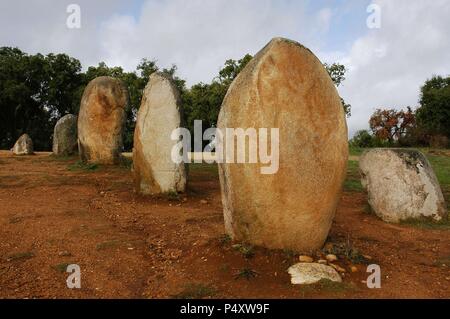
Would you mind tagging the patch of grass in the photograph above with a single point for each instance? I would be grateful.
(353, 180)
(195, 291)
(225, 239)
(15, 220)
(246, 250)
(329, 286)
(443, 261)
(355, 151)
(204, 168)
(81, 166)
(173, 196)
(427, 223)
(61, 267)
(20, 256)
(108, 244)
(245, 273)
(126, 162)
(347, 250)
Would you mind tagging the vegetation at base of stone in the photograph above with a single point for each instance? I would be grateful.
(225, 239)
(425, 223)
(195, 291)
(246, 250)
(37, 90)
(20, 256)
(245, 273)
(81, 166)
(346, 249)
(173, 196)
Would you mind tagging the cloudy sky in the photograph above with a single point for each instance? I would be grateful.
(386, 65)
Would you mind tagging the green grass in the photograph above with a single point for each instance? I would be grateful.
(210, 169)
(329, 286)
(20, 256)
(245, 273)
(246, 250)
(428, 224)
(355, 151)
(195, 291)
(61, 267)
(353, 181)
(81, 166)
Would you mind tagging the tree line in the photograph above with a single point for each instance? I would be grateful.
(36, 90)
(426, 125)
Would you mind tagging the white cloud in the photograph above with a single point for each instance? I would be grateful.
(199, 35)
(388, 65)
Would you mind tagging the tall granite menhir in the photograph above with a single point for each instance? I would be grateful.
(285, 86)
(154, 169)
(101, 121)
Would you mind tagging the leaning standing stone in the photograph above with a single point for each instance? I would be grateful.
(65, 141)
(401, 185)
(101, 121)
(285, 86)
(159, 115)
(23, 146)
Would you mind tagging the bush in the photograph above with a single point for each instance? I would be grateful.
(362, 138)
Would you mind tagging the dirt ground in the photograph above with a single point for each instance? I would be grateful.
(54, 213)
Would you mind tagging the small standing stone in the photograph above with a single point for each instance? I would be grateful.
(23, 146)
(65, 137)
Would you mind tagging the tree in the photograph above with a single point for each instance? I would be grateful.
(390, 125)
(362, 138)
(434, 112)
(337, 74)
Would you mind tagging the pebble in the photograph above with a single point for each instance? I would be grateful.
(322, 261)
(305, 259)
(331, 257)
(354, 269)
(338, 268)
(203, 201)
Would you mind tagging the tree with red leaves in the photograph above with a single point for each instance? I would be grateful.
(389, 124)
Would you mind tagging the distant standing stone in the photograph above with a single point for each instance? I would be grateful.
(311, 273)
(159, 115)
(285, 86)
(401, 185)
(101, 121)
(23, 146)
(65, 140)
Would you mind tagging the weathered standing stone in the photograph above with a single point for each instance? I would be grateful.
(101, 121)
(65, 140)
(23, 146)
(285, 86)
(401, 185)
(160, 113)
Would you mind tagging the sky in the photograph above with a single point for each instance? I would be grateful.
(386, 64)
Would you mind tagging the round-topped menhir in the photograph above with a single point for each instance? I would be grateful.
(285, 86)
(101, 121)
(154, 169)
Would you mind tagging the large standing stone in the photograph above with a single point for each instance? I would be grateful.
(285, 86)
(23, 146)
(401, 185)
(101, 120)
(65, 140)
(160, 113)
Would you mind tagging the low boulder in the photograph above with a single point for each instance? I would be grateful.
(401, 185)
(311, 273)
